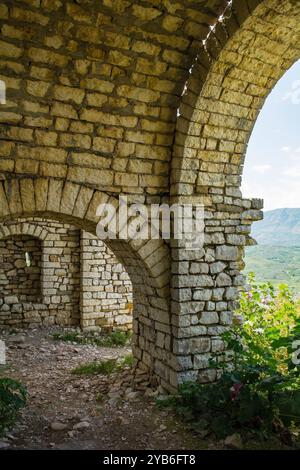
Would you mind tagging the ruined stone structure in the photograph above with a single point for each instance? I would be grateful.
(106, 289)
(156, 100)
(39, 274)
(55, 274)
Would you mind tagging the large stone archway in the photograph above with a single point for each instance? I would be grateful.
(114, 97)
(152, 343)
(225, 93)
(244, 57)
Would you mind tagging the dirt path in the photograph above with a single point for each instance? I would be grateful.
(67, 411)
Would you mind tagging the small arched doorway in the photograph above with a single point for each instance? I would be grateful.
(152, 344)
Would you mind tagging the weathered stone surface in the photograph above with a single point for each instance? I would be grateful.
(114, 101)
(71, 262)
(226, 253)
(234, 441)
(223, 280)
(58, 426)
(192, 346)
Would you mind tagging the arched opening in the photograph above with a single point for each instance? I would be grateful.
(271, 171)
(56, 274)
(226, 90)
(151, 343)
(151, 340)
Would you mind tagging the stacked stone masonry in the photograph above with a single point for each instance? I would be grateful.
(73, 278)
(21, 264)
(155, 100)
(106, 289)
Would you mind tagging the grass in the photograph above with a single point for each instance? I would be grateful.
(112, 340)
(72, 337)
(104, 367)
(95, 368)
(4, 368)
(128, 361)
(13, 331)
(275, 264)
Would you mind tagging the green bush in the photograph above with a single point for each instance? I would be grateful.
(117, 338)
(13, 396)
(259, 387)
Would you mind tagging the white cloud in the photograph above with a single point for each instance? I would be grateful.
(285, 193)
(291, 153)
(295, 156)
(293, 172)
(294, 94)
(261, 168)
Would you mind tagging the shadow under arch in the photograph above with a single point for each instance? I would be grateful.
(25, 246)
(146, 261)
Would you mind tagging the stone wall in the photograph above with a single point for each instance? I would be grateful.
(59, 275)
(21, 269)
(94, 86)
(117, 97)
(106, 287)
(224, 95)
(74, 278)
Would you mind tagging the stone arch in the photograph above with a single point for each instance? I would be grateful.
(95, 117)
(225, 95)
(23, 228)
(243, 59)
(147, 262)
(37, 229)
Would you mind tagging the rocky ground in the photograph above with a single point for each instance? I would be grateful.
(67, 411)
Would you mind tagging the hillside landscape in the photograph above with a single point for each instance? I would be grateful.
(276, 258)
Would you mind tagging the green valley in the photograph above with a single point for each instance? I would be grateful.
(275, 264)
(276, 258)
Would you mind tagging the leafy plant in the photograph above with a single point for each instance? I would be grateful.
(13, 397)
(127, 361)
(72, 337)
(117, 338)
(259, 387)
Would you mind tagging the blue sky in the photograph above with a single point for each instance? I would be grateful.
(272, 166)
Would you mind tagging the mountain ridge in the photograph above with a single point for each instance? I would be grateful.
(279, 227)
